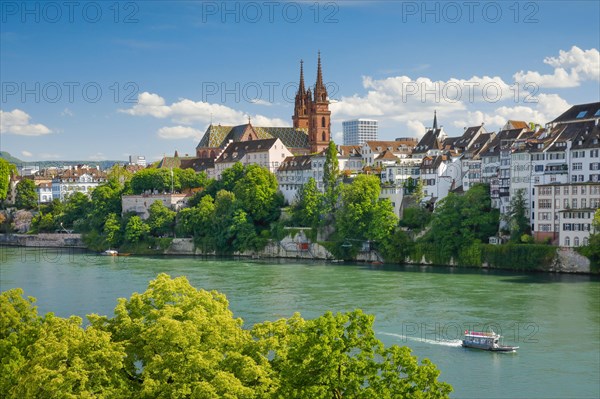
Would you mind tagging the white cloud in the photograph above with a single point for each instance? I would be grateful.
(26, 154)
(188, 112)
(179, 132)
(417, 127)
(17, 122)
(570, 69)
(67, 112)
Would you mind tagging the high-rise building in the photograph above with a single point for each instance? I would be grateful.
(357, 131)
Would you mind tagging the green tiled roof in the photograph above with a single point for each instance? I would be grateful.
(217, 136)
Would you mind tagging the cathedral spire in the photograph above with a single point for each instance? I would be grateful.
(301, 88)
(320, 89)
(435, 120)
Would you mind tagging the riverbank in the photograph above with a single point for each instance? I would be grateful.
(517, 258)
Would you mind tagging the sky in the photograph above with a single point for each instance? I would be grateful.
(97, 80)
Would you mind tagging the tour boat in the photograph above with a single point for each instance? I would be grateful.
(486, 341)
(110, 252)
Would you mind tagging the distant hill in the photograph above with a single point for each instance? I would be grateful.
(6, 156)
(47, 164)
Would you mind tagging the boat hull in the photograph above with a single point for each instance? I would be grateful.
(500, 348)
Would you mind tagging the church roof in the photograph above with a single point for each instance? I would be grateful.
(217, 136)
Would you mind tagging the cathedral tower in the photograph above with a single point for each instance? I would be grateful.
(319, 129)
(300, 117)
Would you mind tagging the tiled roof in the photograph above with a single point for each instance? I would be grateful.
(503, 139)
(234, 152)
(298, 162)
(518, 124)
(349, 150)
(428, 142)
(217, 136)
(579, 112)
(387, 155)
(403, 146)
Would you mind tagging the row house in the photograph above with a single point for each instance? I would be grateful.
(269, 153)
(472, 165)
(292, 174)
(350, 159)
(82, 179)
(400, 148)
(565, 211)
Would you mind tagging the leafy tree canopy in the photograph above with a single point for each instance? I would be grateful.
(174, 341)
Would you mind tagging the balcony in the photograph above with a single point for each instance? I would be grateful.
(556, 169)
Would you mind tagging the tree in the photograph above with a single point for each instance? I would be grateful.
(6, 170)
(174, 341)
(258, 194)
(415, 217)
(516, 216)
(161, 220)
(184, 342)
(112, 230)
(26, 196)
(77, 207)
(362, 216)
(592, 250)
(197, 222)
(306, 210)
(136, 229)
(338, 356)
(152, 179)
(331, 173)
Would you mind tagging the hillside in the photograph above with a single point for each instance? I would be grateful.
(47, 164)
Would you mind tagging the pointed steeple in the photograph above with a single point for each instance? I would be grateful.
(301, 88)
(319, 73)
(320, 90)
(435, 126)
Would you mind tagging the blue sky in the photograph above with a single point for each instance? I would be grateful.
(101, 80)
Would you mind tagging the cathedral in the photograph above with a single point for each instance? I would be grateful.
(310, 133)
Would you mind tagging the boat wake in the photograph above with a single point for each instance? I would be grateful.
(443, 342)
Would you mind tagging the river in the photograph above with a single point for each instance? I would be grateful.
(555, 319)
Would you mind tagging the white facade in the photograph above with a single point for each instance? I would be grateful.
(270, 155)
(357, 131)
(564, 212)
(76, 180)
(140, 204)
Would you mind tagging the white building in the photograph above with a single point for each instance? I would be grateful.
(81, 179)
(269, 153)
(564, 212)
(357, 131)
(137, 160)
(292, 174)
(140, 204)
(401, 148)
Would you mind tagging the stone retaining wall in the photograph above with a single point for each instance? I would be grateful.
(43, 240)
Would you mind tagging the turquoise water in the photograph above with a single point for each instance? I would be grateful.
(555, 319)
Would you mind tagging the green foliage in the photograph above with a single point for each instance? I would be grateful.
(592, 250)
(6, 169)
(516, 216)
(174, 341)
(161, 219)
(258, 194)
(77, 207)
(518, 256)
(338, 356)
(307, 209)
(396, 247)
(112, 230)
(26, 196)
(136, 229)
(151, 179)
(415, 218)
(331, 173)
(362, 216)
(460, 221)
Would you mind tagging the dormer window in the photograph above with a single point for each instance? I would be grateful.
(581, 114)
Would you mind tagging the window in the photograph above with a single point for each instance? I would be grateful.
(581, 114)
(583, 202)
(576, 241)
(545, 203)
(574, 203)
(567, 242)
(577, 166)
